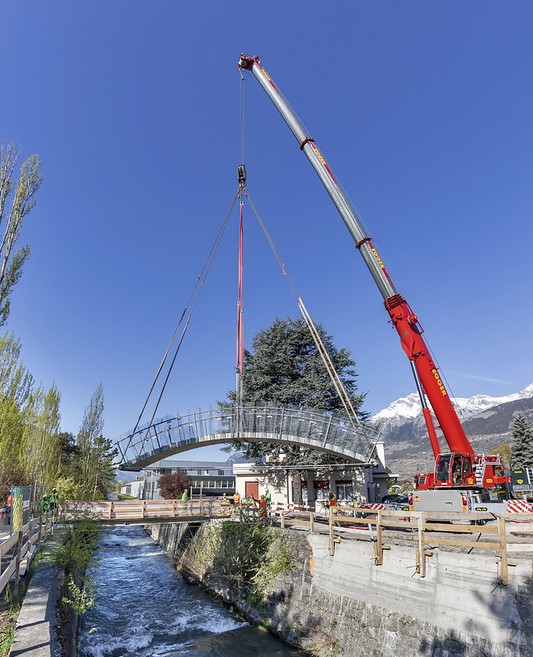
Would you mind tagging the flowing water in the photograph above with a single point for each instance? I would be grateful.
(145, 608)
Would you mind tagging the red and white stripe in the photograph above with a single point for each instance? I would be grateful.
(519, 506)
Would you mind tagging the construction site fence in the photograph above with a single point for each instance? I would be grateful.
(484, 531)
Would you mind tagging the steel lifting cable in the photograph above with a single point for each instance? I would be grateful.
(192, 301)
(330, 367)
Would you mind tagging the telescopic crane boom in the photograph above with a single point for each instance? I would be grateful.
(461, 467)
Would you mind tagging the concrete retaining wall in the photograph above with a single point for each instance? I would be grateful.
(346, 606)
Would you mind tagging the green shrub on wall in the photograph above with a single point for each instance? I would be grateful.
(246, 556)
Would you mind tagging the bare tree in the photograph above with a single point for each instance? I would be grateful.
(17, 198)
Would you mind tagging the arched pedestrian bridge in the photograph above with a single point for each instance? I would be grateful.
(295, 426)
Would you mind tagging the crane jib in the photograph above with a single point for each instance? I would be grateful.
(402, 317)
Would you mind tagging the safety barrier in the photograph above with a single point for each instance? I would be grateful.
(16, 552)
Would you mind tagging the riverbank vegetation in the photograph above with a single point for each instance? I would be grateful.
(75, 553)
(245, 556)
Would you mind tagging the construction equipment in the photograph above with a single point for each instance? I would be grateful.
(461, 468)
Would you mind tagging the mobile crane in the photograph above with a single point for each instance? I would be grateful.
(461, 468)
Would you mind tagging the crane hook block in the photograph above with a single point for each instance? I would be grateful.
(241, 175)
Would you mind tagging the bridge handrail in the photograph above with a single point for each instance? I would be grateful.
(132, 510)
(315, 429)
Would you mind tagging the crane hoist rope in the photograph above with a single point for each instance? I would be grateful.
(336, 380)
(191, 303)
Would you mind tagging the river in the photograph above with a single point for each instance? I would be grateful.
(145, 608)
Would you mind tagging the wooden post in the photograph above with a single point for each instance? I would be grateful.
(39, 534)
(19, 559)
(331, 534)
(421, 552)
(311, 522)
(378, 559)
(504, 564)
(282, 520)
(110, 512)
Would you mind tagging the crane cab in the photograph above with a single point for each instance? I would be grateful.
(456, 470)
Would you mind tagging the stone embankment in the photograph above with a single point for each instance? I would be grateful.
(345, 605)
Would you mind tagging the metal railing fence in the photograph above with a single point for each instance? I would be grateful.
(308, 428)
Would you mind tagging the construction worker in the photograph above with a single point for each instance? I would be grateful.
(44, 505)
(332, 502)
(263, 508)
(53, 499)
(268, 498)
(185, 495)
(9, 508)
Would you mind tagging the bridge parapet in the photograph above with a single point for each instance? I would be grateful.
(304, 427)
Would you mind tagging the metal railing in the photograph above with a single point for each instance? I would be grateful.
(307, 428)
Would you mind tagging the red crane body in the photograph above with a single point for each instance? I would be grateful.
(461, 468)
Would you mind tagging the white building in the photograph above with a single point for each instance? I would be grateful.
(348, 483)
(134, 488)
(207, 478)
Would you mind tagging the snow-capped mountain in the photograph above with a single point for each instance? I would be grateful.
(486, 420)
(408, 408)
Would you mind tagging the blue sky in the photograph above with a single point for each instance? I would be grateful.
(423, 110)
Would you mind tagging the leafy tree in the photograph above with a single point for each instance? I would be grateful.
(17, 198)
(69, 454)
(285, 367)
(29, 424)
(504, 451)
(522, 433)
(96, 453)
(172, 484)
(16, 385)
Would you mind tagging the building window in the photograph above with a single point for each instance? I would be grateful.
(344, 490)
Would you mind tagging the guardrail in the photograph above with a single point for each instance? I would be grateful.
(429, 527)
(138, 510)
(20, 546)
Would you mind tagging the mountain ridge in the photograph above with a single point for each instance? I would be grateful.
(487, 422)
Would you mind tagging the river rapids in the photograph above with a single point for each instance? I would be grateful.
(145, 608)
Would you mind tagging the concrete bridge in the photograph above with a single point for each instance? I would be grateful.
(306, 428)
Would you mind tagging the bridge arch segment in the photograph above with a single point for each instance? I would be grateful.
(306, 428)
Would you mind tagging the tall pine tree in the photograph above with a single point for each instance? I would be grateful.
(522, 433)
(285, 368)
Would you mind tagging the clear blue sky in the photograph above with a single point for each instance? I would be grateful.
(424, 111)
